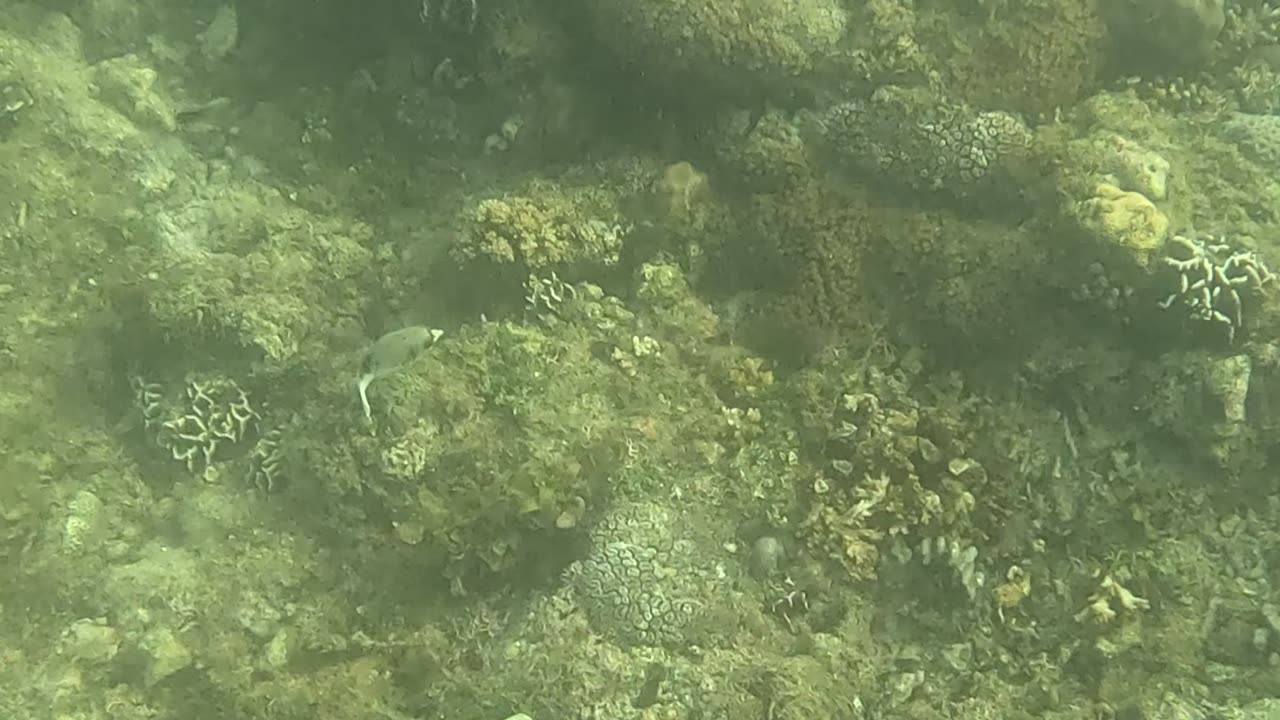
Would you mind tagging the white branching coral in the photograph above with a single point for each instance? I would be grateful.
(1211, 278)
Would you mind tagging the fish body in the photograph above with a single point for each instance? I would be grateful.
(389, 353)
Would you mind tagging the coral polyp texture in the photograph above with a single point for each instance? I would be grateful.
(920, 142)
(644, 580)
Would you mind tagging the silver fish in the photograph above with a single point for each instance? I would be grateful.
(389, 353)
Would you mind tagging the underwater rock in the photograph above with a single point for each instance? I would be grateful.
(1134, 167)
(91, 640)
(1228, 380)
(166, 655)
(84, 527)
(1167, 32)
(767, 557)
(129, 86)
(219, 39)
(1257, 136)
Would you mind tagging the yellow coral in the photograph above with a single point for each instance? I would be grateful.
(680, 188)
(1126, 219)
(1015, 589)
(750, 376)
(507, 230)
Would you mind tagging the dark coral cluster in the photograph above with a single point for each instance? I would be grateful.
(916, 141)
(732, 48)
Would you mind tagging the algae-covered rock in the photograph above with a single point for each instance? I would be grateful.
(166, 655)
(130, 87)
(85, 526)
(508, 435)
(275, 297)
(505, 431)
(1160, 33)
(91, 640)
(1201, 400)
(765, 154)
(1257, 136)
(804, 688)
(1136, 168)
(1031, 57)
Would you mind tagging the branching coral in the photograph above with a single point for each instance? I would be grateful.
(214, 414)
(1213, 279)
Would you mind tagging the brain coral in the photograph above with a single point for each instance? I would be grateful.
(921, 142)
(735, 45)
(642, 583)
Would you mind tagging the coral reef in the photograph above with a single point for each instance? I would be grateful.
(489, 446)
(713, 432)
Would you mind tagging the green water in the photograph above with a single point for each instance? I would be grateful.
(723, 359)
